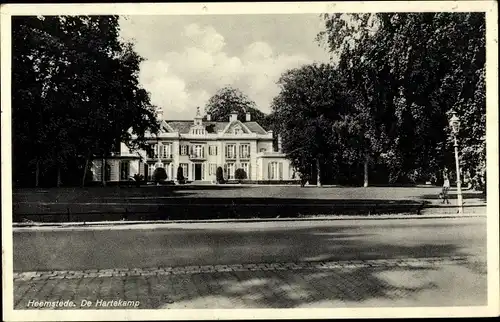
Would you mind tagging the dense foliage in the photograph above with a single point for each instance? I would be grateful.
(75, 96)
(385, 105)
(180, 175)
(159, 175)
(240, 174)
(219, 175)
(229, 99)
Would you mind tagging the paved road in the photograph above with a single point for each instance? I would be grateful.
(149, 246)
(347, 263)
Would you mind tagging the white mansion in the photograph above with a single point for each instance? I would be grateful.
(201, 146)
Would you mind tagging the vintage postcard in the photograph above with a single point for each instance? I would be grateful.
(249, 160)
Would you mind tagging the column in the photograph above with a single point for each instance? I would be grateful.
(253, 160)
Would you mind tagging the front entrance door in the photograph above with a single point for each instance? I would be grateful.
(197, 171)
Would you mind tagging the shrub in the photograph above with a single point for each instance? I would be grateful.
(180, 175)
(159, 175)
(219, 175)
(139, 179)
(240, 174)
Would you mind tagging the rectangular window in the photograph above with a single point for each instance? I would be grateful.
(185, 168)
(275, 172)
(212, 169)
(212, 150)
(124, 170)
(231, 151)
(151, 169)
(245, 167)
(155, 150)
(245, 151)
(198, 151)
(184, 149)
(166, 150)
(230, 171)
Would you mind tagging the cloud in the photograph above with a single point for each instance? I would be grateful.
(185, 66)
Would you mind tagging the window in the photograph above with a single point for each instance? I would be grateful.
(168, 150)
(154, 151)
(237, 130)
(185, 171)
(230, 168)
(124, 170)
(183, 149)
(212, 150)
(198, 131)
(151, 169)
(198, 151)
(275, 170)
(246, 168)
(212, 169)
(165, 150)
(245, 151)
(231, 151)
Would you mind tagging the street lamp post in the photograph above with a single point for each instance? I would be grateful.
(455, 127)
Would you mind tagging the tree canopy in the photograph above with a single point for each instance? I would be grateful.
(408, 71)
(229, 99)
(75, 94)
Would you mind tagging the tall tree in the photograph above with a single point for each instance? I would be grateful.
(75, 83)
(310, 104)
(229, 99)
(412, 69)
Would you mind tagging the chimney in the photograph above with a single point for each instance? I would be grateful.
(247, 117)
(209, 117)
(233, 116)
(279, 143)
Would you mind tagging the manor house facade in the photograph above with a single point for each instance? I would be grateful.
(199, 147)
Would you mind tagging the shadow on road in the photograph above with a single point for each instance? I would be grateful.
(287, 289)
(77, 250)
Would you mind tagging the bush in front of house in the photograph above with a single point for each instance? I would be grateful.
(139, 179)
(240, 174)
(159, 175)
(180, 175)
(219, 175)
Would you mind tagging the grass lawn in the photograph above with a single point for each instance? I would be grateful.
(115, 194)
(221, 202)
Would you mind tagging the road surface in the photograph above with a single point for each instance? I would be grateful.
(146, 246)
(329, 264)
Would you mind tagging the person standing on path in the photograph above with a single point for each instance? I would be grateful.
(446, 188)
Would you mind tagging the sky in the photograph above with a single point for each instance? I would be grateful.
(188, 58)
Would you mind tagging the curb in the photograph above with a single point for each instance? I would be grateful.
(249, 220)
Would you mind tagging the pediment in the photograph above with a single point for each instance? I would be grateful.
(235, 128)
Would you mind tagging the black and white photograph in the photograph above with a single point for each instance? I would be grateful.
(208, 161)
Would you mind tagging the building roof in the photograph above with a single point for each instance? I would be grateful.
(183, 126)
(255, 127)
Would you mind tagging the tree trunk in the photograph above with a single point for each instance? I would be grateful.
(37, 174)
(318, 171)
(58, 176)
(366, 170)
(103, 172)
(85, 171)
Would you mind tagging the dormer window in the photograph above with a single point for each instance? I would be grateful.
(198, 131)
